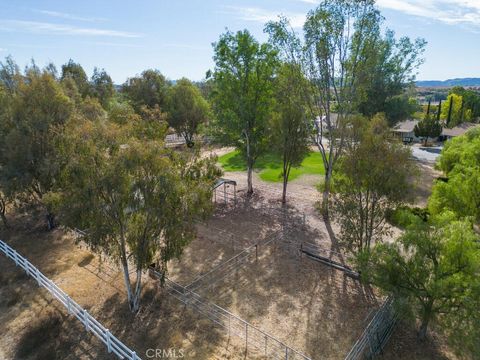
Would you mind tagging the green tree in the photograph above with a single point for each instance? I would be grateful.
(385, 75)
(102, 86)
(243, 95)
(148, 89)
(187, 109)
(433, 267)
(75, 72)
(372, 177)
(453, 112)
(429, 127)
(10, 75)
(459, 162)
(137, 200)
(290, 127)
(39, 112)
(336, 35)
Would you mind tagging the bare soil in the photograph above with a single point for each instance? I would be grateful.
(311, 307)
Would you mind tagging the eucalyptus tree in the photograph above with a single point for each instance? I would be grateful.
(433, 267)
(341, 53)
(31, 133)
(243, 95)
(102, 86)
(136, 200)
(290, 129)
(148, 89)
(372, 177)
(187, 109)
(75, 71)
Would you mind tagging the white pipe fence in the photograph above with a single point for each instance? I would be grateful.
(113, 345)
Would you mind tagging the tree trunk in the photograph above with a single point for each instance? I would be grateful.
(426, 316)
(3, 208)
(4, 220)
(249, 167)
(50, 221)
(426, 141)
(326, 195)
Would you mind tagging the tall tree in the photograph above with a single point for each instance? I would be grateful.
(290, 127)
(136, 199)
(148, 89)
(372, 178)
(187, 109)
(102, 86)
(386, 73)
(75, 72)
(243, 94)
(336, 34)
(428, 127)
(10, 75)
(433, 267)
(40, 111)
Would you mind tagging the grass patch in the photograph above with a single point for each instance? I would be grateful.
(270, 165)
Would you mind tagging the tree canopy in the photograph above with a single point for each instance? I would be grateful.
(187, 109)
(372, 178)
(243, 94)
(434, 269)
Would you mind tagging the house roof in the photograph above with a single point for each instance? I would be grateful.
(458, 130)
(405, 126)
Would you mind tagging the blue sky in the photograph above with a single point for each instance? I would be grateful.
(126, 37)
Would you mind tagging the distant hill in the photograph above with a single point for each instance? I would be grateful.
(449, 82)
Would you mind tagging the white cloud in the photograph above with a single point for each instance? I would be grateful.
(460, 12)
(69, 16)
(60, 29)
(263, 16)
(455, 12)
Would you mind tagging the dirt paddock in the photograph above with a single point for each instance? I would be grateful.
(311, 307)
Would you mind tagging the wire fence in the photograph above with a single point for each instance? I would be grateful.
(257, 342)
(226, 268)
(113, 345)
(376, 334)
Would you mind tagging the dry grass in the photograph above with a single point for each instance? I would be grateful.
(308, 305)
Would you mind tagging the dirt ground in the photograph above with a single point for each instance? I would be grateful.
(313, 308)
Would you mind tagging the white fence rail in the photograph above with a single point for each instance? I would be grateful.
(113, 345)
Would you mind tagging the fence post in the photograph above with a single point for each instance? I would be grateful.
(37, 274)
(15, 257)
(109, 343)
(85, 319)
(246, 338)
(134, 355)
(69, 305)
(266, 345)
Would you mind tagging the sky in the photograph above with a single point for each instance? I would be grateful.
(127, 37)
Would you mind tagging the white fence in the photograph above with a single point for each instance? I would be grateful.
(113, 345)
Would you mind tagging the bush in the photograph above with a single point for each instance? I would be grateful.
(405, 216)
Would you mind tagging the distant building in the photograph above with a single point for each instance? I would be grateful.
(404, 130)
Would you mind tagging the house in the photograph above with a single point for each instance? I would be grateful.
(457, 130)
(404, 131)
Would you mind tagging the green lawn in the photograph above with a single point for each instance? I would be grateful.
(270, 165)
